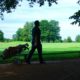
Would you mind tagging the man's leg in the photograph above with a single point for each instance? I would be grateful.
(30, 54)
(39, 48)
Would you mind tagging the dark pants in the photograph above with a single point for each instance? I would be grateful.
(39, 49)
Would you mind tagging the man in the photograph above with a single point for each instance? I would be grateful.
(36, 43)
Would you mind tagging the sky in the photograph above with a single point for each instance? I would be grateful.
(60, 12)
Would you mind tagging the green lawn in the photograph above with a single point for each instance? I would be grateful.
(47, 47)
(53, 47)
(51, 51)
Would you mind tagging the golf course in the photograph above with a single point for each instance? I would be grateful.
(51, 51)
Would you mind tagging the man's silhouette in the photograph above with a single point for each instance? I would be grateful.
(36, 43)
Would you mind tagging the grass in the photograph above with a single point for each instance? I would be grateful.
(51, 51)
(61, 47)
(8, 44)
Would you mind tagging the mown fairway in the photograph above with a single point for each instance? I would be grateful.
(47, 47)
(51, 51)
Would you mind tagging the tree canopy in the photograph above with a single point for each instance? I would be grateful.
(49, 31)
(8, 5)
(1, 36)
(77, 39)
(76, 18)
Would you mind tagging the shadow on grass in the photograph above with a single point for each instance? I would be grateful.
(62, 55)
(58, 55)
(1, 60)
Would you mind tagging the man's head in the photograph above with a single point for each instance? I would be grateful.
(36, 23)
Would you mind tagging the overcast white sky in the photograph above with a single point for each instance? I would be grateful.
(60, 12)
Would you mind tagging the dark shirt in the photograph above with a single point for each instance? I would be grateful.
(36, 33)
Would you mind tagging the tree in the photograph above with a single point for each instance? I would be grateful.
(54, 30)
(1, 36)
(8, 5)
(44, 29)
(23, 34)
(19, 34)
(50, 30)
(68, 39)
(27, 31)
(76, 18)
(77, 39)
(14, 37)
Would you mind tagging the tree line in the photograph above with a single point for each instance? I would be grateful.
(49, 31)
(1, 36)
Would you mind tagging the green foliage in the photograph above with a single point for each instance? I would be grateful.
(68, 39)
(42, 2)
(23, 34)
(1, 36)
(54, 30)
(77, 38)
(14, 37)
(49, 31)
(76, 18)
(51, 51)
(8, 5)
(26, 35)
(44, 25)
(7, 40)
(19, 34)
(58, 41)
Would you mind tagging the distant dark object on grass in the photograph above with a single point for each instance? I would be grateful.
(13, 51)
